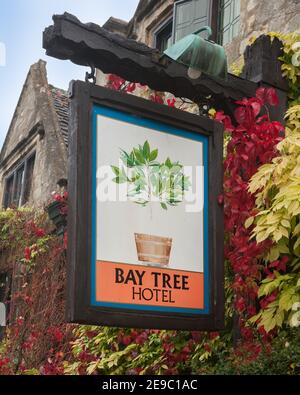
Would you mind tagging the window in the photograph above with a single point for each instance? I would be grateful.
(229, 20)
(18, 184)
(190, 16)
(164, 36)
(223, 16)
(29, 174)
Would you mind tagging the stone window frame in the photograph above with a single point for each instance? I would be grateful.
(26, 166)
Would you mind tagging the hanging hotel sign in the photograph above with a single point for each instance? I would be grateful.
(145, 226)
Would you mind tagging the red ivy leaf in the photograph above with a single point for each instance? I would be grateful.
(221, 199)
(267, 96)
(225, 119)
(261, 95)
(272, 97)
(255, 105)
(240, 115)
(171, 102)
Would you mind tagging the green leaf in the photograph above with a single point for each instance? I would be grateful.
(286, 300)
(146, 150)
(139, 156)
(119, 180)
(116, 170)
(168, 163)
(296, 230)
(164, 206)
(273, 254)
(283, 248)
(128, 160)
(297, 243)
(255, 318)
(153, 155)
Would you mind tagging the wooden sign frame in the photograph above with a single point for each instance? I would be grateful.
(81, 180)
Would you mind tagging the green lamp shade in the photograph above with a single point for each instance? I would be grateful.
(200, 55)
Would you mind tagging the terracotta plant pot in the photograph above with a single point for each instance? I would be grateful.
(153, 249)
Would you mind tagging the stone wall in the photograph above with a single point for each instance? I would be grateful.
(262, 16)
(34, 128)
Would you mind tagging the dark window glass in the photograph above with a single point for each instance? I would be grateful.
(28, 181)
(164, 37)
(18, 184)
(8, 195)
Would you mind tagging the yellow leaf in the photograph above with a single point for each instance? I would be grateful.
(249, 222)
(212, 112)
(261, 237)
(286, 223)
(277, 235)
(284, 231)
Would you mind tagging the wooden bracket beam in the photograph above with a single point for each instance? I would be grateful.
(88, 44)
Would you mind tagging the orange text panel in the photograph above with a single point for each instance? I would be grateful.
(145, 285)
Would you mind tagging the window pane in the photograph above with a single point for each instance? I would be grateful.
(185, 12)
(226, 15)
(236, 8)
(226, 36)
(8, 197)
(28, 179)
(236, 28)
(190, 16)
(229, 20)
(18, 186)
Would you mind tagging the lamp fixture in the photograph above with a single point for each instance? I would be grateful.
(200, 55)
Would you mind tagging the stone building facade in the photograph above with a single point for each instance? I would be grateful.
(33, 158)
(158, 23)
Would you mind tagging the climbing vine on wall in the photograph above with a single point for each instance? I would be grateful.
(277, 189)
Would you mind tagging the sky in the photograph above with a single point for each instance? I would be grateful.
(21, 26)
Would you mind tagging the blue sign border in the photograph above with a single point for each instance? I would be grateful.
(161, 127)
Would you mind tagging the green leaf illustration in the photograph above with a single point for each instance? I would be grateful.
(146, 150)
(153, 155)
(148, 178)
(116, 170)
(139, 157)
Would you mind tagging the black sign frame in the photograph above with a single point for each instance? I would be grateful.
(79, 309)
